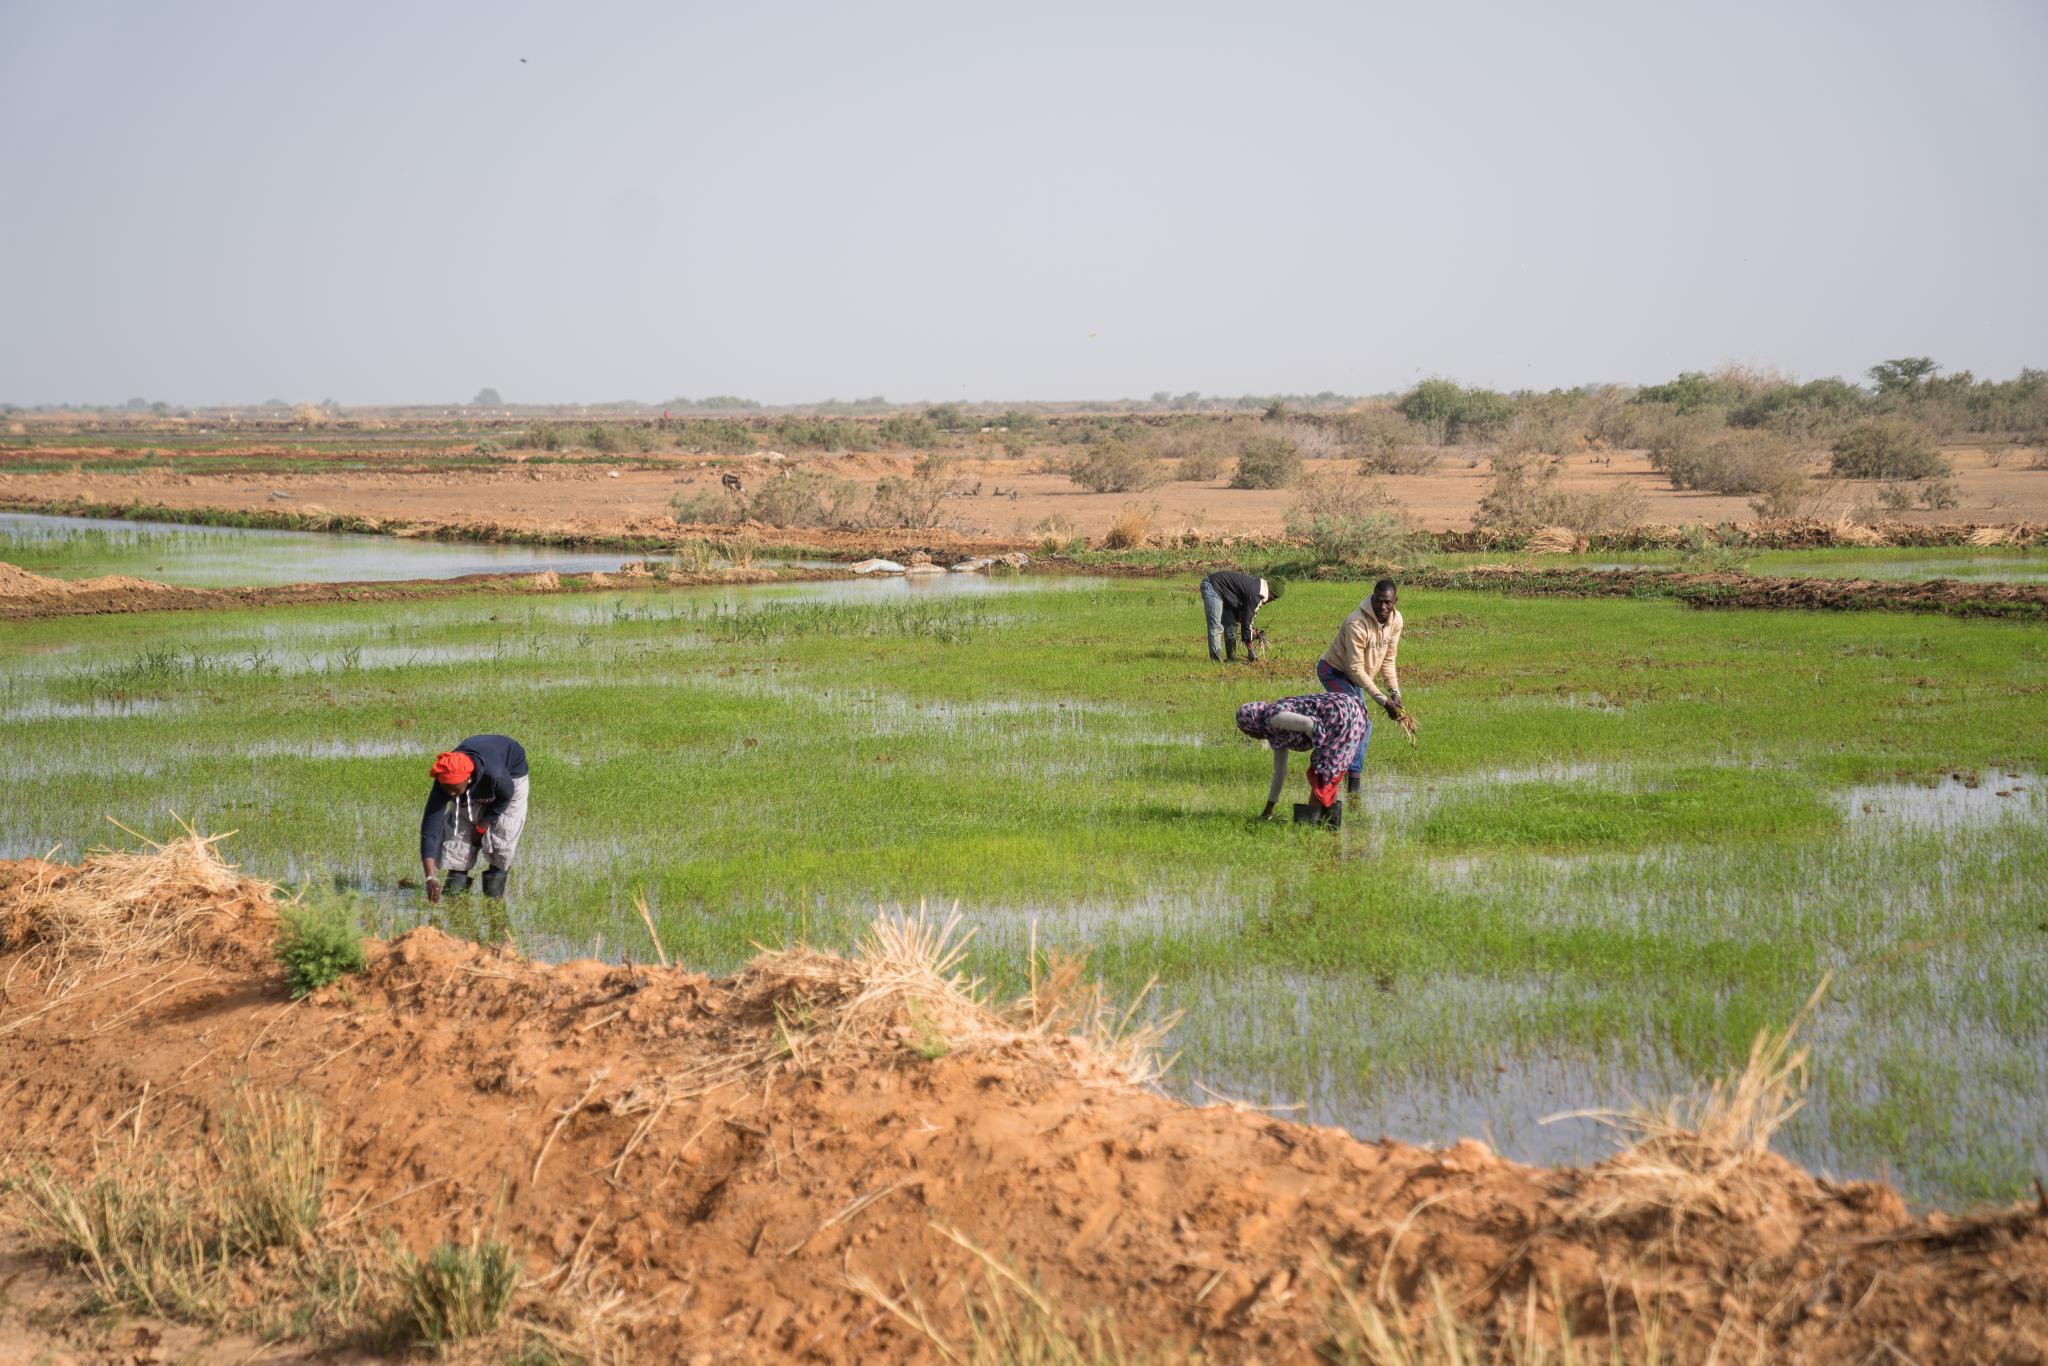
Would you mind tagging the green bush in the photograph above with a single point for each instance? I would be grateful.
(1888, 448)
(1698, 453)
(1117, 467)
(916, 500)
(543, 436)
(713, 506)
(1524, 495)
(722, 436)
(802, 498)
(317, 942)
(1350, 521)
(1448, 411)
(1200, 466)
(1267, 462)
(823, 434)
(457, 1292)
(902, 429)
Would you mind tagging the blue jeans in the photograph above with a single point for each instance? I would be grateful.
(1333, 681)
(1220, 624)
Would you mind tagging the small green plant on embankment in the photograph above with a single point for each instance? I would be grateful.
(318, 942)
(457, 1291)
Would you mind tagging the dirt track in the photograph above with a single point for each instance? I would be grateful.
(734, 1173)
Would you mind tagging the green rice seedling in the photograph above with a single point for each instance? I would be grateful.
(318, 942)
(457, 1292)
(275, 1168)
(143, 1242)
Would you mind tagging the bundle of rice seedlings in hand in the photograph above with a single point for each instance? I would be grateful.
(1406, 721)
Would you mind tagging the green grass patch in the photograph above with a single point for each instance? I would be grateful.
(1689, 804)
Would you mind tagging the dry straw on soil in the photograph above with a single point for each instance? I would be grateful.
(902, 989)
(119, 905)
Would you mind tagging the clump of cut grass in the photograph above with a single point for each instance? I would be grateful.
(318, 943)
(118, 905)
(275, 1167)
(1010, 1320)
(903, 989)
(1367, 1328)
(154, 1238)
(457, 1292)
(1130, 528)
(1690, 1155)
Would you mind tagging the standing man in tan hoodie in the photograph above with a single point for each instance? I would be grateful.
(1366, 645)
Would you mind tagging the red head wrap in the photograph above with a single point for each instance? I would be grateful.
(453, 768)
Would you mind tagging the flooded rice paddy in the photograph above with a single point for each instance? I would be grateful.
(1631, 835)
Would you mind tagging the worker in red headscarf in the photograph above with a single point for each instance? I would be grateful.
(474, 813)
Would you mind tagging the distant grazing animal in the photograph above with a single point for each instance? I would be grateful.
(731, 481)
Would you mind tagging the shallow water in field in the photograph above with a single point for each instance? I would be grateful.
(224, 557)
(1954, 799)
(221, 557)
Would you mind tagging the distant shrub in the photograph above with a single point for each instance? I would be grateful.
(723, 436)
(542, 436)
(1116, 467)
(802, 498)
(1351, 521)
(1697, 453)
(1524, 495)
(714, 506)
(1267, 462)
(1387, 442)
(1812, 410)
(1130, 528)
(902, 429)
(824, 434)
(1200, 466)
(1316, 440)
(1937, 494)
(1448, 411)
(1894, 497)
(916, 500)
(616, 440)
(318, 942)
(948, 417)
(1888, 448)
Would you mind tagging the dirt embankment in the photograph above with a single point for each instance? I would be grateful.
(25, 596)
(827, 1159)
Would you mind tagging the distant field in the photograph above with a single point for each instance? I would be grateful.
(1632, 834)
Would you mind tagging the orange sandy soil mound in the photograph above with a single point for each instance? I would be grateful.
(1014, 502)
(736, 1155)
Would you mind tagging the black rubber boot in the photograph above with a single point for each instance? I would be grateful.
(494, 881)
(1351, 784)
(455, 884)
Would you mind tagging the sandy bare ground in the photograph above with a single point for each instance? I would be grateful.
(1012, 502)
(760, 1167)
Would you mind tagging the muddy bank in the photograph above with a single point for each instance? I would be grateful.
(1949, 597)
(835, 1160)
(86, 597)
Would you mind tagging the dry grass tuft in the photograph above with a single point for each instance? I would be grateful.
(1556, 540)
(902, 992)
(1130, 528)
(1846, 531)
(1692, 1155)
(118, 905)
(1992, 535)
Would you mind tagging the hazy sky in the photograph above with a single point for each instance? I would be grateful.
(385, 203)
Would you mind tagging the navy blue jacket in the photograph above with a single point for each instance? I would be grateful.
(499, 759)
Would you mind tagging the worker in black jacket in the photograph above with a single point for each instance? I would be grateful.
(476, 811)
(1230, 600)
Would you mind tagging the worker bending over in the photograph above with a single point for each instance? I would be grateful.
(476, 810)
(1229, 602)
(1330, 726)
